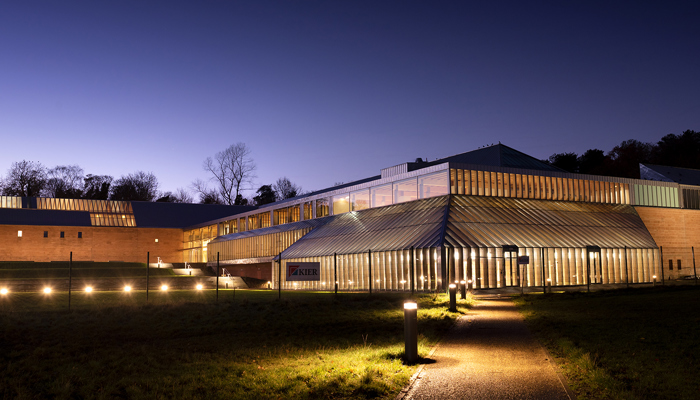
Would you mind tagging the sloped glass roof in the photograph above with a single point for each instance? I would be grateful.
(469, 221)
(493, 222)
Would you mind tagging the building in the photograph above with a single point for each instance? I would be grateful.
(418, 225)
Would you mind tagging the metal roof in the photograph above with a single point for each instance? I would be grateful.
(400, 226)
(24, 216)
(493, 222)
(311, 223)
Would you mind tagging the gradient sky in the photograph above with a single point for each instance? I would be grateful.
(326, 92)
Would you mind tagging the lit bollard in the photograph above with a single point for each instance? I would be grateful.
(469, 285)
(654, 285)
(549, 283)
(453, 297)
(463, 289)
(410, 320)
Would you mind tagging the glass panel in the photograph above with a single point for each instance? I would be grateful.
(359, 200)
(405, 190)
(381, 195)
(322, 208)
(433, 185)
(341, 204)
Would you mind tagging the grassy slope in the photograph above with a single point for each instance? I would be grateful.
(308, 345)
(636, 344)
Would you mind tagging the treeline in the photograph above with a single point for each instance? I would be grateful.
(33, 179)
(231, 172)
(623, 160)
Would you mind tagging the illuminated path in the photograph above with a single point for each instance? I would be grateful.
(489, 354)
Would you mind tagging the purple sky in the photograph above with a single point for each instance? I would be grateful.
(333, 91)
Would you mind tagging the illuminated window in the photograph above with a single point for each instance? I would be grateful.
(19, 233)
(322, 208)
(433, 185)
(359, 200)
(156, 240)
(341, 204)
(406, 190)
(381, 195)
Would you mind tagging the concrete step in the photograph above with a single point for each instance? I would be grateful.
(229, 282)
(188, 271)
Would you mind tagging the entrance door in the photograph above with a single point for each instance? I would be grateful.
(510, 273)
(595, 271)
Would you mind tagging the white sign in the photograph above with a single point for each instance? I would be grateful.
(523, 260)
(303, 271)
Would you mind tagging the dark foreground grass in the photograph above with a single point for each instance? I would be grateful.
(306, 346)
(625, 344)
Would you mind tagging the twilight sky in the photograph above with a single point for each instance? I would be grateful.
(332, 91)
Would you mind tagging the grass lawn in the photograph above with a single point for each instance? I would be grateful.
(184, 345)
(623, 344)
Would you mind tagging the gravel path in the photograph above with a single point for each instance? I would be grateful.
(489, 354)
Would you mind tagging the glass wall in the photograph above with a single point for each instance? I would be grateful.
(381, 195)
(10, 202)
(359, 200)
(485, 183)
(308, 210)
(195, 243)
(322, 208)
(433, 185)
(655, 196)
(286, 215)
(341, 204)
(406, 190)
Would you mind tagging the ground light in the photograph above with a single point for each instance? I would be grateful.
(453, 297)
(164, 287)
(410, 318)
(199, 287)
(127, 288)
(463, 289)
(88, 289)
(4, 291)
(47, 290)
(654, 281)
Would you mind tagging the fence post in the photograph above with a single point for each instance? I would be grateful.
(335, 269)
(279, 277)
(661, 254)
(148, 272)
(544, 281)
(627, 272)
(217, 276)
(70, 277)
(413, 270)
(694, 270)
(370, 270)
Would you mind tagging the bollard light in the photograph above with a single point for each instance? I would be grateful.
(164, 287)
(199, 287)
(4, 291)
(463, 289)
(47, 290)
(88, 289)
(453, 298)
(410, 318)
(127, 288)
(654, 281)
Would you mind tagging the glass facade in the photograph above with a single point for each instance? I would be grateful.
(102, 212)
(381, 195)
(341, 204)
(286, 215)
(406, 190)
(497, 184)
(322, 208)
(195, 243)
(359, 200)
(10, 202)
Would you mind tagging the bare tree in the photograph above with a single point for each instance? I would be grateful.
(139, 186)
(182, 195)
(232, 169)
(24, 178)
(96, 187)
(285, 189)
(64, 181)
